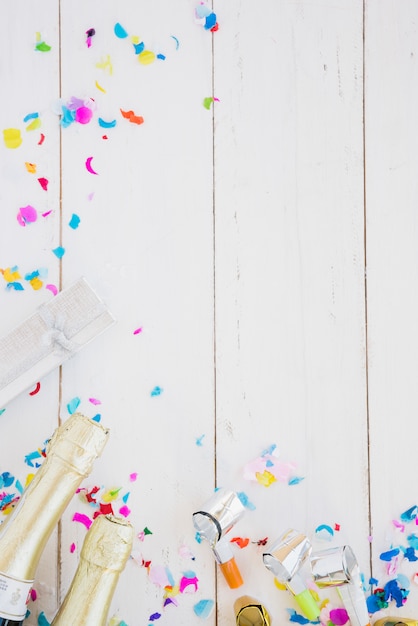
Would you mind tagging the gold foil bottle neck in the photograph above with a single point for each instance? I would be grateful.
(78, 441)
(108, 544)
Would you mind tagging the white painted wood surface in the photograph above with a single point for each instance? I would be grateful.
(236, 237)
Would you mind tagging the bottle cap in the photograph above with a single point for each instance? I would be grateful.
(108, 543)
(396, 621)
(231, 573)
(249, 612)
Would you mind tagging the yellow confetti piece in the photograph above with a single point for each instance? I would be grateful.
(135, 39)
(7, 510)
(36, 283)
(266, 478)
(171, 592)
(37, 37)
(146, 57)
(10, 275)
(29, 479)
(99, 87)
(105, 64)
(31, 167)
(35, 124)
(279, 585)
(12, 138)
(111, 495)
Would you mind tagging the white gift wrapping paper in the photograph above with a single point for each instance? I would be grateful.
(46, 339)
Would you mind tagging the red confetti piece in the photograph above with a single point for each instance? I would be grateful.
(134, 119)
(90, 494)
(36, 390)
(105, 137)
(41, 140)
(44, 183)
(337, 527)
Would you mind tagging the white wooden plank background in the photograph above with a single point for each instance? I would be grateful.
(237, 239)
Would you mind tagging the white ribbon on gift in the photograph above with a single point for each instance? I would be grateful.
(56, 331)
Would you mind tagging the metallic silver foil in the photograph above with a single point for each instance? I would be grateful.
(286, 556)
(218, 515)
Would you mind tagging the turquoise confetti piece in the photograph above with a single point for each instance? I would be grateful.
(74, 221)
(105, 124)
(204, 608)
(120, 31)
(73, 405)
(42, 621)
(157, 391)
(295, 480)
(97, 417)
(30, 116)
(2, 411)
(59, 252)
(19, 486)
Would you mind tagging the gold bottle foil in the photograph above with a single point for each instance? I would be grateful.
(70, 455)
(105, 551)
(396, 621)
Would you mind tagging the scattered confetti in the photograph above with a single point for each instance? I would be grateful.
(52, 288)
(73, 548)
(42, 621)
(199, 440)
(205, 16)
(42, 47)
(99, 87)
(176, 41)
(339, 617)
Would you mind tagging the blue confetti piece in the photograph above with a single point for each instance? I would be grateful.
(120, 31)
(97, 418)
(202, 10)
(245, 501)
(32, 456)
(413, 541)
(210, 21)
(68, 117)
(410, 554)
(161, 57)
(295, 480)
(126, 497)
(30, 116)
(410, 514)
(105, 124)
(31, 275)
(389, 555)
(19, 486)
(324, 531)
(203, 608)
(198, 537)
(157, 391)
(73, 405)
(15, 285)
(373, 581)
(199, 440)
(295, 617)
(139, 47)
(59, 252)
(2, 411)
(74, 221)
(7, 479)
(42, 621)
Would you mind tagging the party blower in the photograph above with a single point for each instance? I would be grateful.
(338, 567)
(285, 559)
(217, 517)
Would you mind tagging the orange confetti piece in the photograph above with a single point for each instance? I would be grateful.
(31, 167)
(242, 542)
(130, 115)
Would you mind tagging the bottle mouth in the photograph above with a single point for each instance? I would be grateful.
(253, 615)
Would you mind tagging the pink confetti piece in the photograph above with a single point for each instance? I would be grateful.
(138, 330)
(125, 511)
(44, 183)
(52, 288)
(90, 196)
(95, 401)
(339, 617)
(89, 167)
(83, 115)
(33, 595)
(158, 576)
(83, 519)
(186, 582)
(46, 213)
(133, 477)
(27, 214)
(72, 548)
(398, 525)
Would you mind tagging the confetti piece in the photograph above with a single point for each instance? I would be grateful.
(389, 555)
(120, 31)
(30, 116)
(137, 331)
(146, 57)
(154, 617)
(325, 532)
(36, 390)
(59, 252)
(159, 575)
(208, 101)
(27, 215)
(99, 87)
(245, 501)
(74, 221)
(295, 617)
(42, 47)
(139, 47)
(176, 41)
(42, 621)
(90, 33)
(12, 138)
(41, 139)
(188, 580)
(72, 548)
(199, 440)
(83, 519)
(105, 65)
(157, 391)
(95, 401)
(34, 125)
(44, 183)
(410, 514)
(2, 411)
(295, 480)
(242, 542)
(204, 608)
(73, 405)
(130, 115)
(52, 288)
(97, 418)
(83, 115)
(31, 167)
(133, 477)
(89, 167)
(339, 617)
(105, 124)
(125, 511)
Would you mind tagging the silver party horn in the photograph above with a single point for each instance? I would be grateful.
(285, 559)
(217, 516)
(338, 567)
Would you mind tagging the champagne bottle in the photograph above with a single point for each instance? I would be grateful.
(70, 454)
(106, 548)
